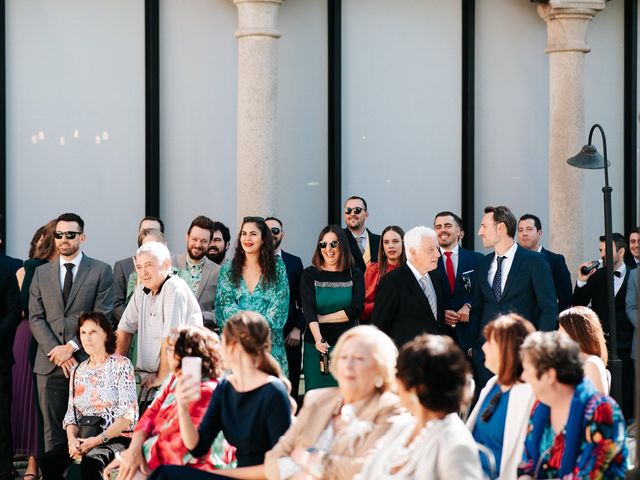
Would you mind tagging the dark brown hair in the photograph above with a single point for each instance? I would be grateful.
(345, 259)
(104, 323)
(47, 247)
(383, 262)
(437, 369)
(509, 331)
(583, 325)
(502, 214)
(202, 222)
(252, 332)
(198, 342)
(266, 259)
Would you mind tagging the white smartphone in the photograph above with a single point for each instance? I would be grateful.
(192, 366)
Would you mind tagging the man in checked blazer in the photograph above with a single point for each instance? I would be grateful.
(60, 292)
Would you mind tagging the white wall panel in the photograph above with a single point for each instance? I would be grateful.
(75, 65)
(401, 80)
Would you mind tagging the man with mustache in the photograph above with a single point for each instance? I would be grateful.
(219, 245)
(362, 243)
(200, 273)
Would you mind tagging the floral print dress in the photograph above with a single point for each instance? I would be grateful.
(107, 390)
(270, 300)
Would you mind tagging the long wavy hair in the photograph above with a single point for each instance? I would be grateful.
(266, 259)
(47, 248)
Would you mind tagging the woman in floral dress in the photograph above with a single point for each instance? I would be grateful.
(256, 280)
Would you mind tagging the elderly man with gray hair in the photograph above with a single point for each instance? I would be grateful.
(410, 300)
(160, 303)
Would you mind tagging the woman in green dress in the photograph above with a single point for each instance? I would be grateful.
(332, 296)
(256, 280)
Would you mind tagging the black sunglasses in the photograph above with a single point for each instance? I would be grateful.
(490, 409)
(275, 230)
(253, 220)
(332, 244)
(69, 235)
(356, 210)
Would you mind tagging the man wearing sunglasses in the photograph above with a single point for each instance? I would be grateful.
(60, 292)
(362, 243)
(200, 273)
(295, 325)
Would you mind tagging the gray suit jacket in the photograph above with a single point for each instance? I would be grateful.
(122, 270)
(632, 302)
(206, 293)
(51, 323)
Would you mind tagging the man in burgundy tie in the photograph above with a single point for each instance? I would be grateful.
(457, 265)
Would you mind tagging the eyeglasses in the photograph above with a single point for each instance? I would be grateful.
(69, 235)
(490, 409)
(275, 230)
(332, 244)
(356, 210)
(253, 219)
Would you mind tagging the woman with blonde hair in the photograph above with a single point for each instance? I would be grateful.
(339, 426)
(583, 326)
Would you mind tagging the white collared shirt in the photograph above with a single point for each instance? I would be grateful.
(506, 266)
(617, 281)
(454, 258)
(74, 271)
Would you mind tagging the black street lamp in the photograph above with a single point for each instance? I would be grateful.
(590, 159)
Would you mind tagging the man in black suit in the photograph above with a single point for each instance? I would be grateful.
(9, 319)
(529, 236)
(593, 288)
(457, 267)
(633, 254)
(295, 325)
(362, 243)
(13, 264)
(59, 293)
(410, 299)
(510, 279)
(123, 269)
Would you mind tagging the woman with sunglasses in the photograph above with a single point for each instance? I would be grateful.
(390, 256)
(332, 296)
(504, 397)
(256, 280)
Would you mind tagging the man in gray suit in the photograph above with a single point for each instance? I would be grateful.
(60, 292)
(123, 269)
(200, 273)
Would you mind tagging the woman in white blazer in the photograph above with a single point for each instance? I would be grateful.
(500, 417)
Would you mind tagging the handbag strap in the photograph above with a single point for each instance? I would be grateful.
(73, 391)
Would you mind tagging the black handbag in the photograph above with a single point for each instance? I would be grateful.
(88, 425)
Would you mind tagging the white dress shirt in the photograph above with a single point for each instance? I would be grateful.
(454, 258)
(506, 266)
(63, 270)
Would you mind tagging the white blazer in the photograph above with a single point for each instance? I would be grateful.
(521, 402)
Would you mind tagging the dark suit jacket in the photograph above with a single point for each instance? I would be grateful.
(206, 294)
(52, 323)
(374, 244)
(402, 310)
(595, 291)
(467, 262)
(122, 270)
(9, 313)
(12, 263)
(528, 291)
(294, 268)
(561, 278)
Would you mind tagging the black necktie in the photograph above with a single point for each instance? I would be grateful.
(68, 282)
(617, 273)
(496, 286)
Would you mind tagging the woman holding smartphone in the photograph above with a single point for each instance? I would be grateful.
(332, 296)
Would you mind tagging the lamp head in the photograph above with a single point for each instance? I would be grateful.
(588, 158)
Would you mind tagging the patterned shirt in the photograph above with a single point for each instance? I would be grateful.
(107, 390)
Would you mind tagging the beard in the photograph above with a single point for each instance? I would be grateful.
(276, 244)
(196, 254)
(216, 256)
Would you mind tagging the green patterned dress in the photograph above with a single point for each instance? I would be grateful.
(270, 300)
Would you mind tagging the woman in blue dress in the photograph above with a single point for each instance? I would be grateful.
(256, 280)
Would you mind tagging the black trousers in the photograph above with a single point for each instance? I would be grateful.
(6, 444)
(628, 382)
(55, 462)
(175, 472)
(294, 359)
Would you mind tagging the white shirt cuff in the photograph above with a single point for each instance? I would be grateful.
(580, 284)
(74, 345)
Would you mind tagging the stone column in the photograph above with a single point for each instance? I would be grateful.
(567, 23)
(257, 97)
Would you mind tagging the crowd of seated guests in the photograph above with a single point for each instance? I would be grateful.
(372, 408)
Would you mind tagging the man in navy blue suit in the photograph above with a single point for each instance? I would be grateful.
(457, 267)
(529, 236)
(510, 279)
(295, 325)
(13, 264)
